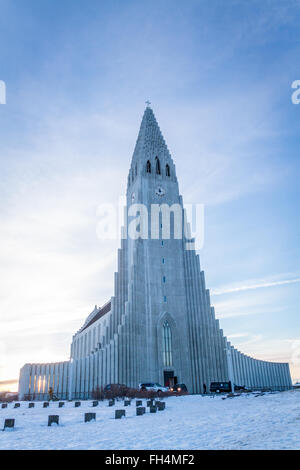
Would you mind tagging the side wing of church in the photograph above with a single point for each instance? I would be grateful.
(159, 326)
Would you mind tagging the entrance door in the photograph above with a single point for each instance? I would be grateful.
(168, 378)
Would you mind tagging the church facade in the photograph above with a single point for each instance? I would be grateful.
(159, 326)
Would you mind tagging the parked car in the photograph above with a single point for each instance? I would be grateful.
(116, 389)
(154, 387)
(225, 387)
(179, 388)
(220, 387)
(111, 386)
(239, 387)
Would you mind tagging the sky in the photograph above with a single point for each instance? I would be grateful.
(218, 75)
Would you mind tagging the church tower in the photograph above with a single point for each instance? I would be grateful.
(159, 326)
(178, 336)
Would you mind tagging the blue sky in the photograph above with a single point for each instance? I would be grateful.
(219, 77)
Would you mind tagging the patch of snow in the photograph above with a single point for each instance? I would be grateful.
(270, 421)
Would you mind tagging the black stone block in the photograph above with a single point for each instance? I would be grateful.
(89, 417)
(9, 423)
(53, 419)
(140, 410)
(119, 414)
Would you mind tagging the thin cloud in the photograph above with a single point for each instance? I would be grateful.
(261, 285)
(238, 335)
(8, 382)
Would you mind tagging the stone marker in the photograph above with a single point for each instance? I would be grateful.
(89, 417)
(45, 404)
(53, 419)
(9, 423)
(127, 402)
(152, 409)
(119, 414)
(30, 405)
(139, 403)
(77, 404)
(17, 405)
(111, 402)
(4, 405)
(140, 410)
(161, 405)
(95, 403)
(61, 404)
(150, 403)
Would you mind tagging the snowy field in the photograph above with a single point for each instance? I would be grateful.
(271, 421)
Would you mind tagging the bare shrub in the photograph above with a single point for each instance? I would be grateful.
(146, 394)
(116, 391)
(98, 393)
(181, 393)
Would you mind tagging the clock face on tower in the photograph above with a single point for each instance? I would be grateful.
(160, 191)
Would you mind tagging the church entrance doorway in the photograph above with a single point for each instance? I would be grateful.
(169, 379)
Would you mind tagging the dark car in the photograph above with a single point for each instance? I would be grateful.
(239, 387)
(115, 390)
(225, 387)
(220, 387)
(111, 386)
(179, 388)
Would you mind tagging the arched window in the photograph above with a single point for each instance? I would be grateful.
(148, 167)
(157, 166)
(167, 345)
(167, 170)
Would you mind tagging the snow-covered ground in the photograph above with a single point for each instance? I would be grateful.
(271, 421)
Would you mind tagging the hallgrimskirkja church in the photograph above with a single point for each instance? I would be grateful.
(159, 325)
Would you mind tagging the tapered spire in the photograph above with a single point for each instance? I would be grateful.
(150, 147)
(150, 141)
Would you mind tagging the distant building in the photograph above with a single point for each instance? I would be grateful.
(159, 326)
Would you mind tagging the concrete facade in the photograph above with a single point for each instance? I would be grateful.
(160, 320)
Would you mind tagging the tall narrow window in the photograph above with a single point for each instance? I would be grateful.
(167, 345)
(157, 163)
(167, 170)
(148, 167)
